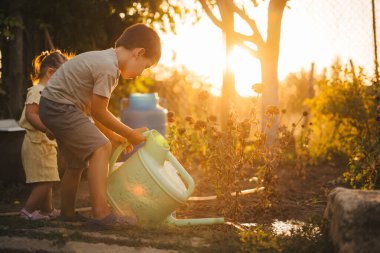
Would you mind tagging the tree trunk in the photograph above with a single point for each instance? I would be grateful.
(15, 80)
(270, 95)
(228, 88)
(269, 65)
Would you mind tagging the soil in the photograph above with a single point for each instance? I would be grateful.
(294, 198)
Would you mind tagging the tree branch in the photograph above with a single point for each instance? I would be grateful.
(256, 37)
(240, 42)
(251, 38)
(209, 13)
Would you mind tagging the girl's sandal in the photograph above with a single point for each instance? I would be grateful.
(36, 215)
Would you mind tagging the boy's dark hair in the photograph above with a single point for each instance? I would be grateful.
(140, 35)
(47, 59)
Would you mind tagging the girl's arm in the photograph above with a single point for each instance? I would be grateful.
(32, 115)
(100, 113)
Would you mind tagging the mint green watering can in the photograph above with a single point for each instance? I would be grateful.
(149, 184)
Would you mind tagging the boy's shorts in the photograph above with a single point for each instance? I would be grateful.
(76, 135)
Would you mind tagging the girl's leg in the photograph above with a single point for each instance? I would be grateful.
(97, 180)
(38, 195)
(47, 205)
(69, 187)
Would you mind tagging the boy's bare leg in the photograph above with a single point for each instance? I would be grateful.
(37, 196)
(97, 180)
(69, 187)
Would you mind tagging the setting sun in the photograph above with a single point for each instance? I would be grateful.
(200, 48)
(246, 70)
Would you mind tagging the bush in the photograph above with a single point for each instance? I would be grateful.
(344, 123)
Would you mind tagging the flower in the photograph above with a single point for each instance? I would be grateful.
(257, 87)
(272, 110)
(200, 124)
(171, 117)
(181, 131)
(189, 119)
(204, 95)
(212, 118)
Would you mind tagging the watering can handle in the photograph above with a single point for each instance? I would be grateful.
(115, 155)
(189, 180)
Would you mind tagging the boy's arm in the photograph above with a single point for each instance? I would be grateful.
(114, 137)
(100, 113)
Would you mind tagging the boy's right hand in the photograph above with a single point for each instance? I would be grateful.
(136, 136)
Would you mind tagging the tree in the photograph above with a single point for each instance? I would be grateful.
(267, 50)
(227, 25)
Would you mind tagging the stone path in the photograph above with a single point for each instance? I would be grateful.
(25, 244)
(17, 235)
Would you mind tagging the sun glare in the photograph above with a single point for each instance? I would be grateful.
(200, 48)
(246, 70)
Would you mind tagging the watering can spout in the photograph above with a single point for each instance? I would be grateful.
(194, 222)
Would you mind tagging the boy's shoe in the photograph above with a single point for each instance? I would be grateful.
(54, 214)
(112, 221)
(36, 215)
(77, 217)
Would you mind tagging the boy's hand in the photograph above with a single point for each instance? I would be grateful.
(118, 140)
(136, 136)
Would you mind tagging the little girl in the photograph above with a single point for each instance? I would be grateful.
(39, 155)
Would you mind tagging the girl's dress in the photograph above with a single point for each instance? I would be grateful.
(38, 153)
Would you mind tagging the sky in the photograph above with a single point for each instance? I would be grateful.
(316, 31)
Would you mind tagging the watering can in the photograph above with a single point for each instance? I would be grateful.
(149, 186)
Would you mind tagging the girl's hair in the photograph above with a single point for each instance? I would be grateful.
(47, 59)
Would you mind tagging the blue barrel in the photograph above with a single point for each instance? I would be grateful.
(143, 110)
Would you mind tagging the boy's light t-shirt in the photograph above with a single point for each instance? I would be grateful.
(75, 81)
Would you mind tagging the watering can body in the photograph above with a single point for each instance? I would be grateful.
(150, 184)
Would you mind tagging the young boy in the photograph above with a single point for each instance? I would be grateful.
(82, 86)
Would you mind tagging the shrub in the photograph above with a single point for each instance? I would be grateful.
(344, 123)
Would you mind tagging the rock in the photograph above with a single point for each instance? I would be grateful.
(354, 220)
